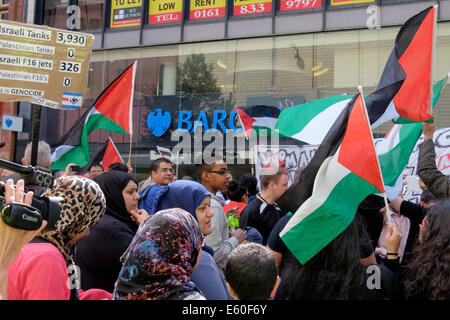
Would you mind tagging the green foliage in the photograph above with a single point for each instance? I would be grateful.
(196, 76)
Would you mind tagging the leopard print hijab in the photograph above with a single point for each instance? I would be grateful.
(82, 206)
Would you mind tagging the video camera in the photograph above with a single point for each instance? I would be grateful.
(21, 216)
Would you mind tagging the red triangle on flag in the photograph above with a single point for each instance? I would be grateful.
(116, 101)
(246, 122)
(413, 100)
(357, 151)
(111, 155)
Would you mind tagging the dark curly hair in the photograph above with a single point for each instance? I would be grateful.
(335, 273)
(428, 273)
(236, 191)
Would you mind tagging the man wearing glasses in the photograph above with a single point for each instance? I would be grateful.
(216, 177)
(161, 172)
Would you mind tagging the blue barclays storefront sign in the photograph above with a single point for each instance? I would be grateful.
(159, 121)
(172, 114)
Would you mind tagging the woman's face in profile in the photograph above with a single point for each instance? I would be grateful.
(204, 215)
(130, 196)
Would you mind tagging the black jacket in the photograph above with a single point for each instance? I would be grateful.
(98, 254)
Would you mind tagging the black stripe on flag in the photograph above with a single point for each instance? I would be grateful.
(300, 191)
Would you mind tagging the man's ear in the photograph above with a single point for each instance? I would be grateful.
(233, 294)
(204, 177)
(24, 162)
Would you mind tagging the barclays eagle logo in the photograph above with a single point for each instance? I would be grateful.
(158, 123)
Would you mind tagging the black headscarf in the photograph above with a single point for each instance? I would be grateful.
(112, 184)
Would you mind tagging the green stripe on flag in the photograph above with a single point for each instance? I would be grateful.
(80, 154)
(293, 119)
(393, 162)
(319, 228)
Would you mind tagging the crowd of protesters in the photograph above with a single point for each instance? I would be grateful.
(218, 239)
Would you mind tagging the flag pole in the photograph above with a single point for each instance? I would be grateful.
(378, 162)
(129, 153)
(433, 54)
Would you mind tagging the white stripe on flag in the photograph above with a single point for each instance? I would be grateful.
(316, 130)
(265, 122)
(390, 114)
(59, 152)
(330, 173)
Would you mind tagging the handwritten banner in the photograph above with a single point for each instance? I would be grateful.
(125, 13)
(288, 157)
(207, 9)
(249, 7)
(165, 11)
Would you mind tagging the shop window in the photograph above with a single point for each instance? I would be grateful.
(91, 14)
(55, 13)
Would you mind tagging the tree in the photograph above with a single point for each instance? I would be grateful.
(196, 76)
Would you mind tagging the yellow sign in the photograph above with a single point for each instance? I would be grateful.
(164, 11)
(42, 65)
(344, 2)
(125, 13)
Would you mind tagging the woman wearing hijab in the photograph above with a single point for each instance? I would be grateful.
(98, 255)
(159, 262)
(41, 271)
(195, 199)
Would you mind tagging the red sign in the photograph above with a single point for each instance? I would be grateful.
(248, 7)
(288, 5)
(207, 9)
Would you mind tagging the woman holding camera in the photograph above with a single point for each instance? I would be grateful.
(41, 270)
(11, 239)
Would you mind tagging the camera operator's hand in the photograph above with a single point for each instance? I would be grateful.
(12, 240)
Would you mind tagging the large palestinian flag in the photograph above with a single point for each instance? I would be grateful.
(111, 111)
(403, 93)
(413, 57)
(348, 171)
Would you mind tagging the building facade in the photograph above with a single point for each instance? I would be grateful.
(197, 59)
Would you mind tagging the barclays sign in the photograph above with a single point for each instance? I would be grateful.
(159, 121)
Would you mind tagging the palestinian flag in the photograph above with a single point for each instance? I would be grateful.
(395, 149)
(347, 175)
(165, 153)
(403, 75)
(398, 142)
(256, 118)
(111, 111)
(309, 122)
(412, 57)
(106, 155)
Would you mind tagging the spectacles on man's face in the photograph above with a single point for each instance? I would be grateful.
(165, 170)
(220, 172)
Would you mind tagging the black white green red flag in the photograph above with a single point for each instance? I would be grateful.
(111, 111)
(343, 179)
